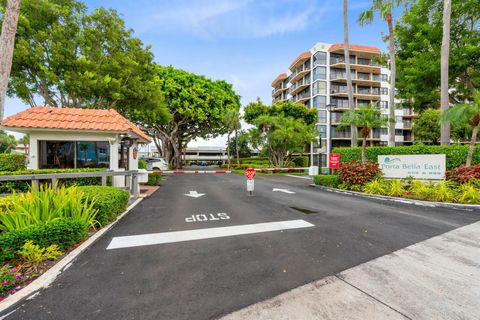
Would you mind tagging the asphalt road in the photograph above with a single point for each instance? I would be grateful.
(206, 279)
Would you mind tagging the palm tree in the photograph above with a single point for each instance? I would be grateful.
(367, 118)
(346, 52)
(7, 43)
(466, 113)
(444, 57)
(231, 121)
(385, 10)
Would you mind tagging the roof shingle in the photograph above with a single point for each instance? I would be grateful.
(73, 119)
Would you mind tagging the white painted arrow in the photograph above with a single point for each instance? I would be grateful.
(194, 194)
(283, 190)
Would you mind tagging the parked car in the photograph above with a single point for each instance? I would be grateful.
(156, 164)
(204, 163)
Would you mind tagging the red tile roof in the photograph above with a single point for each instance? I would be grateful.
(278, 78)
(306, 54)
(73, 119)
(353, 47)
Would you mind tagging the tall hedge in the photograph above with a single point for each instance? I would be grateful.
(110, 201)
(12, 162)
(455, 154)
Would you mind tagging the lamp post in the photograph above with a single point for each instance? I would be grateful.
(330, 109)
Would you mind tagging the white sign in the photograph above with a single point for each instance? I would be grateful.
(250, 185)
(207, 217)
(419, 166)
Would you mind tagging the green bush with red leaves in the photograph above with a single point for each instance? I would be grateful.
(356, 173)
(463, 174)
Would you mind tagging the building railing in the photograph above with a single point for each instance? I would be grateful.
(131, 178)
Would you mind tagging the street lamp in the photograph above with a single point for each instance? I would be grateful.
(330, 108)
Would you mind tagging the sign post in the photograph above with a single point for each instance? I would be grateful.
(250, 174)
(334, 161)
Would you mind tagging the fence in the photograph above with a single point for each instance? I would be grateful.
(131, 178)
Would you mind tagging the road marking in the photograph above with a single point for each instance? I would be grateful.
(199, 234)
(283, 190)
(207, 217)
(194, 194)
(299, 177)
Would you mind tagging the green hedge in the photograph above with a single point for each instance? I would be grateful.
(110, 201)
(154, 179)
(331, 181)
(12, 162)
(301, 161)
(64, 233)
(23, 186)
(455, 154)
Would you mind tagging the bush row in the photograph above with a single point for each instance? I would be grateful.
(24, 186)
(109, 201)
(331, 181)
(154, 179)
(12, 162)
(455, 154)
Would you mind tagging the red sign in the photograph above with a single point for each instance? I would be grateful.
(250, 173)
(334, 160)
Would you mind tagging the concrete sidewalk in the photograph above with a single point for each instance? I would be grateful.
(434, 279)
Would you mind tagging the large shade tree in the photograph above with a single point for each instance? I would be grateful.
(9, 19)
(366, 118)
(419, 45)
(466, 113)
(385, 8)
(197, 107)
(71, 57)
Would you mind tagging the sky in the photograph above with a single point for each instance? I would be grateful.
(245, 42)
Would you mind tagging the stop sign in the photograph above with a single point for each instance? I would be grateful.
(250, 173)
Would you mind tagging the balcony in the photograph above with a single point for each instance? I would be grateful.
(362, 81)
(360, 65)
(407, 124)
(299, 86)
(300, 98)
(281, 98)
(408, 113)
(299, 73)
(361, 94)
(277, 91)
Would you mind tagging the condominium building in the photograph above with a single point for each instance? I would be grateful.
(317, 78)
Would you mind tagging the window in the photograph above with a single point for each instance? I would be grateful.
(320, 58)
(363, 76)
(339, 102)
(319, 102)
(340, 74)
(322, 129)
(383, 91)
(320, 87)
(322, 116)
(363, 103)
(383, 131)
(384, 77)
(320, 73)
(383, 104)
(71, 154)
(398, 132)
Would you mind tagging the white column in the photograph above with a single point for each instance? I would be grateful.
(33, 155)
(117, 181)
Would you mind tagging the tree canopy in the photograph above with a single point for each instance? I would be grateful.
(71, 57)
(197, 106)
(295, 110)
(418, 43)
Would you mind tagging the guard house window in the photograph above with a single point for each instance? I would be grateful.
(320, 58)
(73, 154)
(320, 73)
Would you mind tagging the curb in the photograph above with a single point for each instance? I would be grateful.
(51, 274)
(431, 204)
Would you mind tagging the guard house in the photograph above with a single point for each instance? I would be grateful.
(66, 138)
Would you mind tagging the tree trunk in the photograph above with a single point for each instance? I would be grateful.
(393, 74)
(236, 148)
(364, 147)
(472, 145)
(444, 59)
(228, 150)
(7, 44)
(346, 52)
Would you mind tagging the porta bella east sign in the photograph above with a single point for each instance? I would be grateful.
(420, 166)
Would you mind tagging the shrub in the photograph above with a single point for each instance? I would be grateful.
(46, 204)
(331, 181)
(12, 162)
(32, 255)
(376, 186)
(6, 202)
(351, 187)
(395, 188)
(142, 164)
(420, 190)
(356, 173)
(301, 161)
(8, 277)
(463, 174)
(24, 186)
(63, 232)
(154, 179)
(469, 193)
(455, 154)
(444, 191)
(108, 201)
